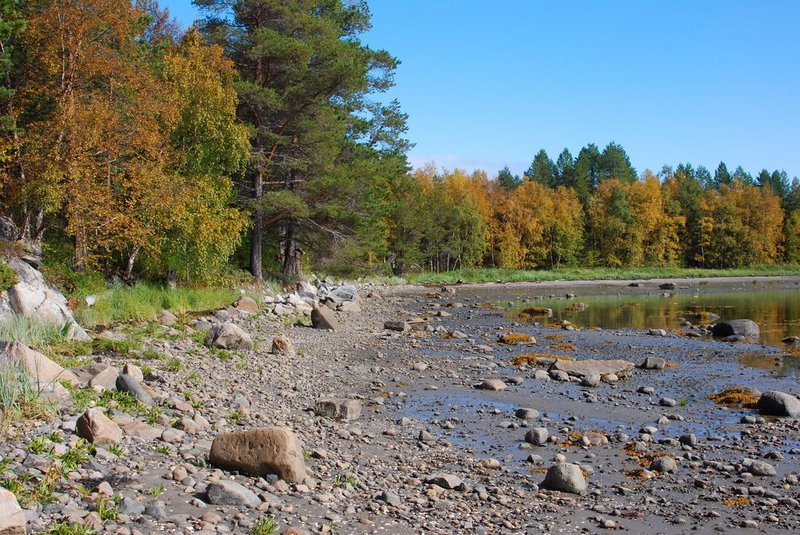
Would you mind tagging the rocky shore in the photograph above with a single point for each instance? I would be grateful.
(407, 417)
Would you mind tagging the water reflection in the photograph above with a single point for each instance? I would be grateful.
(776, 312)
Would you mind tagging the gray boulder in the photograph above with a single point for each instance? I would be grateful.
(33, 297)
(323, 318)
(12, 518)
(126, 383)
(226, 492)
(228, 336)
(344, 293)
(339, 409)
(39, 368)
(565, 477)
(745, 328)
(778, 404)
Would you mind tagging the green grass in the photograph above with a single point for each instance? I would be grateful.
(572, 274)
(20, 398)
(8, 277)
(143, 302)
(265, 526)
(33, 332)
(63, 528)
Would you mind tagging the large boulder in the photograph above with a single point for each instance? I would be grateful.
(228, 336)
(97, 428)
(778, 404)
(344, 293)
(246, 304)
(323, 318)
(746, 328)
(260, 452)
(589, 367)
(32, 297)
(12, 518)
(565, 477)
(38, 367)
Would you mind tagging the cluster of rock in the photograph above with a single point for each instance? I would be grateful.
(307, 297)
(33, 297)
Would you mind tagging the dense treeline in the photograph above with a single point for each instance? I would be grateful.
(596, 211)
(258, 139)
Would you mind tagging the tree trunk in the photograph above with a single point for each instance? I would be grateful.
(258, 231)
(291, 254)
(128, 275)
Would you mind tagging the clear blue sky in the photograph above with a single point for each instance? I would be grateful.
(488, 84)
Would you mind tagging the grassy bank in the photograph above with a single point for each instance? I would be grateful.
(573, 274)
(144, 301)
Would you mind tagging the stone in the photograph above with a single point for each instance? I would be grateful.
(351, 307)
(33, 297)
(527, 414)
(667, 286)
(590, 381)
(126, 383)
(134, 371)
(493, 385)
(759, 468)
(12, 518)
(260, 452)
(657, 332)
(742, 327)
(323, 318)
(390, 498)
(246, 304)
(584, 368)
(344, 293)
(167, 318)
(446, 481)
(399, 326)
(227, 492)
(339, 409)
(85, 373)
(140, 430)
(97, 428)
(38, 367)
(131, 507)
(688, 440)
(281, 345)
(106, 379)
(228, 336)
(653, 363)
(667, 402)
(537, 436)
(665, 465)
(779, 404)
(565, 477)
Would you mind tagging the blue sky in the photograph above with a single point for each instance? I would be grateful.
(487, 84)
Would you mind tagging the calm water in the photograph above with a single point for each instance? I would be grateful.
(776, 312)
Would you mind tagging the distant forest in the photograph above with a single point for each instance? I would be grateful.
(258, 139)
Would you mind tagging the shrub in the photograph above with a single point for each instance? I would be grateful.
(8, 277)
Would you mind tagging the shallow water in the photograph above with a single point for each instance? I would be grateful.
(776, 312)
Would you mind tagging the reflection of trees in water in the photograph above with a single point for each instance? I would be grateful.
(778, 313)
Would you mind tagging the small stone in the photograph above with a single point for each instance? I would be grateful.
(446, 481)
(97, 428)
(281, 345)
(167, 318)
(493, 384)
(527, 414)
(664, 464)
(131, 507)
(340, 409)
(537, 436)
(127, 384)
(228, 336)
(667, 402)
(226, 492)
